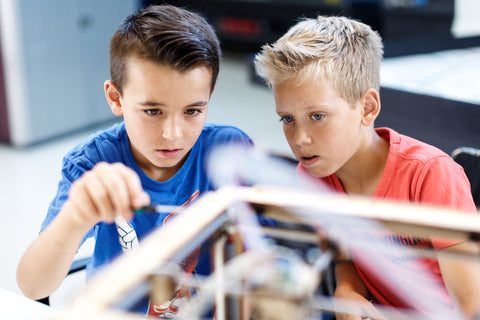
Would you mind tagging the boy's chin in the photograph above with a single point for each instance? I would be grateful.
(317, 173)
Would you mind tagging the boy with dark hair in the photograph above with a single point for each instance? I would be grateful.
(164, 63)
(325, 78)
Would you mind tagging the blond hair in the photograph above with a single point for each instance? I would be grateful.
(344, 52)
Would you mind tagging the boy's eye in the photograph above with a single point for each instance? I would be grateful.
(317, 116)
(286, 119)
(192, 112)
(153, 112)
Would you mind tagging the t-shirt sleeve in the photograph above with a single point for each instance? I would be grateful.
(442, 182)
(72, 169)
(230, 135)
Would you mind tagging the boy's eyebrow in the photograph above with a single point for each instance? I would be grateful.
(160, 104)
(198, 104)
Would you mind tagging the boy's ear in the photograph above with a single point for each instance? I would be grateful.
(113, 97)
(371, 106)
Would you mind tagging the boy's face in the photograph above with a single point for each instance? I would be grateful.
(322, 129)
(164, 113)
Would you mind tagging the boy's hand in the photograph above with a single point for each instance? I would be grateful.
(357, 305)
(105, 192)
(356, 309)
(351, 289)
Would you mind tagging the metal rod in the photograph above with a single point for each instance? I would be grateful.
(219, 261)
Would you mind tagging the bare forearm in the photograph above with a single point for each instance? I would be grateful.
(48, 259)
(348, 279)
(462, 278)
(99, 195)
(351, 288)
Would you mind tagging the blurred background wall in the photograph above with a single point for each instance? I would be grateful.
(54, 53)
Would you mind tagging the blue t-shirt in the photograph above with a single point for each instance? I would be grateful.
(112, 145)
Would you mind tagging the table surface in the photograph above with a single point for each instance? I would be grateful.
(17, 307)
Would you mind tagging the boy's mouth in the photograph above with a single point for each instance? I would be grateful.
(169, 153)
(308, 159)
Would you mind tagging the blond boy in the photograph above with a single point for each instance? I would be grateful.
(324, 73)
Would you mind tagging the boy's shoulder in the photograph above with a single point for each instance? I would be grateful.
(222, 128)
(101, 145)
(225, 132)
(410, 148)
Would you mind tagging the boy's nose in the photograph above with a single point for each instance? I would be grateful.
(172, 129)
(301, 136)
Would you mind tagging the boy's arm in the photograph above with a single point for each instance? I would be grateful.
(351, 287)
(462, 278)
(451, 189)
(101, 194)
(47, 260)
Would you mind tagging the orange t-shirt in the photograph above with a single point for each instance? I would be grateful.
(421, 173)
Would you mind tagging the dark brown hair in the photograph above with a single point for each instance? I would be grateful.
(166, 35)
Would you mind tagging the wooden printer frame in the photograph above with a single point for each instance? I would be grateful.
(131, 275)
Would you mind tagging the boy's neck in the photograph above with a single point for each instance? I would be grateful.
(362, 175)
(159, 174)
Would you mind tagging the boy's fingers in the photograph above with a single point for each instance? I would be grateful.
(118, 180)
(137, 196)
(82, 204)
(99, 183)
(107, 191)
